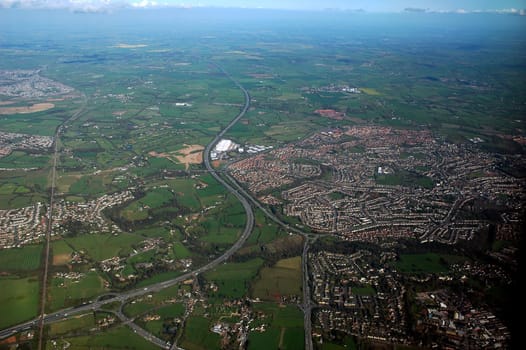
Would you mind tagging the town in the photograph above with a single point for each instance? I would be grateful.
(30, 84)
(365, 183)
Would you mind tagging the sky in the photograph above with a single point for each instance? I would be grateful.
(504, 6)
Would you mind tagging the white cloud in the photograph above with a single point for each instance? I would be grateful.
(78, 5)
(507, 11)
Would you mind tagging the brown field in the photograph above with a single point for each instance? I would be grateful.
(282, 279)
(217, 163)
(61, 259)
(3, 103)
(191, 154)
(37, 107)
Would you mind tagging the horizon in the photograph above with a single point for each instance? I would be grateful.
(513, 7)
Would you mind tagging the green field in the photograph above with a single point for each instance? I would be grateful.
(405, 178)
(21, 259)
(233, 279)
(363, 290)
(104, 246)
(144, 85)
(18, 300)
(170, 311)
(64, 292)
(114, 338)
(20, 159)
(426, 263)
(61, 253)
(349, 343)
(160, 277)
(84, 321)
(282, 279)
(197, 334)
(285, 328)
(265, 230)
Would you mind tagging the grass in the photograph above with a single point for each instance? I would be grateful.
(363, 290)
(72, 324)
(154, 327)
(223, 224)
(18, 300)
(104, 246)
(265, 230)
(157, 299)
(21, 259)
(171, 311)
(180, 251)
(87, 185)
(197, 334)
(137, 308)
(285, 329)
(61, 252)
(157, 198)
(114, 338)
(370, 91)
(349, 343)
(405, 178)
(425, 263)
(65, 292)
(163, 276)
(266, 340)
(233, 279)
(283, 279)
(19, 159)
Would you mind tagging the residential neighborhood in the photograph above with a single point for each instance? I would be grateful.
(365, 183)
(29, 224)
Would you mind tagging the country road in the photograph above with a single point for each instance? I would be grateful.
(232, 186)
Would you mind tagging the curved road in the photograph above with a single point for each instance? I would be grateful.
(123, 297)
(233, 187)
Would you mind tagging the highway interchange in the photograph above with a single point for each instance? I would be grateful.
(232, 186)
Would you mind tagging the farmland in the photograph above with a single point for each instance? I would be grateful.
(21, 259)
(426, 263)
(64, 291)
(104, 246)
(18, 301)
(282, 279)
(115, 338)
(130, 101)
(285, 328)
(233, 279)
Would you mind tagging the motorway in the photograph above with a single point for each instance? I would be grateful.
(125, 296)
(232, 186)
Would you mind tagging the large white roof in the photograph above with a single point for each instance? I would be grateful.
(225, 145)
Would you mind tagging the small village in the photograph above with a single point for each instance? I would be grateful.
(14, 141)
(29, 224)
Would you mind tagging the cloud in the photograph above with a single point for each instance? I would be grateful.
(87, 5)
(508, 11)
(81, 5)
(461, 11)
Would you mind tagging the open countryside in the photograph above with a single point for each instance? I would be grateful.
(223, 178)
